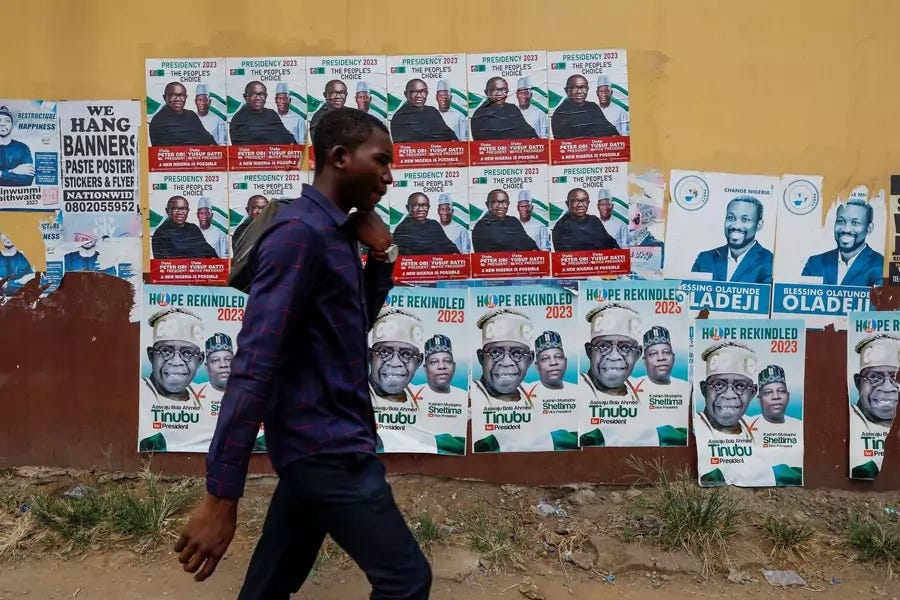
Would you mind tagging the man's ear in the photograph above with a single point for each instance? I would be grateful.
(339, 156)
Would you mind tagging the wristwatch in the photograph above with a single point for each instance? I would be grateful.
(387, 255)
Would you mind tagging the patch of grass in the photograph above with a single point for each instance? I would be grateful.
(77, 521)
(686, 516)
(499, 537)
(876, 539)
(426, 532)
(788, 536)
(329, 554)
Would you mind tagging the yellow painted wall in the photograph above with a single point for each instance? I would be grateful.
(761, 86)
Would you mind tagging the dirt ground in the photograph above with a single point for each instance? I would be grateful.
(586, 554)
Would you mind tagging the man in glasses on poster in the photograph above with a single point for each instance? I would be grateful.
(175, 355)
(872, 415)
(505, 356)
(254, 124)
(496, 119)
(335, 95)
(396, 353)
(727, 390)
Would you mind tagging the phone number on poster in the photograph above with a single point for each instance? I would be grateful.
(100, 206)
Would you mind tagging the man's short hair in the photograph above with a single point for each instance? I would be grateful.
(749, 200)
(347, 127)
(870, 212)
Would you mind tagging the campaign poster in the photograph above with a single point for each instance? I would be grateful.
(29, 155)
(524, 384)
(30, 246)
(894, 241)
(100, 171)
(186, 114)
(107, 242)
(508, 108)
(589, 220)
(589, 105)
(188, 340)
(427, 105)
(509, 209)
(825, 268)
(634, 388)
(730, 275)
(189, 228)
(419, 371)
(646, 228)
(266, 112)
(748, 398)
(873, 360)
(355, 81)
(430, 223)
(250, 193)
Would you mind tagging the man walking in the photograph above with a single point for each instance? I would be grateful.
(302, 369)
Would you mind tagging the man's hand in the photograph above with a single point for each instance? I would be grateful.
(371, 230)
(24, 169)
(205, 539)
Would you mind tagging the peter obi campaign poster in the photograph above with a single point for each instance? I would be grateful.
(633, 387)
(525, 374)
(188, 340)
(824, 268)
(356, 81)
(249, 193)
(509, 211)
(720, 234)
(266, 112)
(420, 350)
(873, 361)
(430, 223)
(29, 155)
(427, 106)
(589, 106)
(30, 247)
(748, 398)
(508, 107)
(189, 228)
(589, 220)
(186, 108)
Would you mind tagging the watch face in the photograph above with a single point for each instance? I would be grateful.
(392, 253)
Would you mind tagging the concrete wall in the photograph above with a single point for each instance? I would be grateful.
(766, 87)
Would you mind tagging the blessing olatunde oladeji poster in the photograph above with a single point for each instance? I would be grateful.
(873, 359)
(634, 388)
(420, 350)
(748, 398)
(524, 379)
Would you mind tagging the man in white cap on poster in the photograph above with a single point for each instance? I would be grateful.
(457, 234)
(536, 230)
(612, 353)
(212, 122)
(214, 236)
(291, 118)
(872, 415)
(613, 112)
(454, 119)
(364, 100)
(169, 402)
(727, 390)
(533, 115)
(614, 225)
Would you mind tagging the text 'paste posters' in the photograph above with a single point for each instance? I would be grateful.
(873, 359)
(589, 106)
(188, 340)
(720, 234)
(824, 271)
(250, 193)
(508, 107)
(356, 81)
(589, 220)
(428, 110)
(30, 245)
(524, 378)
(187, 210)
(266, 112)
(186, 112)
(430, 222)
(748, 394)
(419, 371)
(634, 388)
(100, 181)
(29, 155)
(509, 210)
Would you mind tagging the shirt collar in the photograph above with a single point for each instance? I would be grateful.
(337, 215)
(852, 258)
